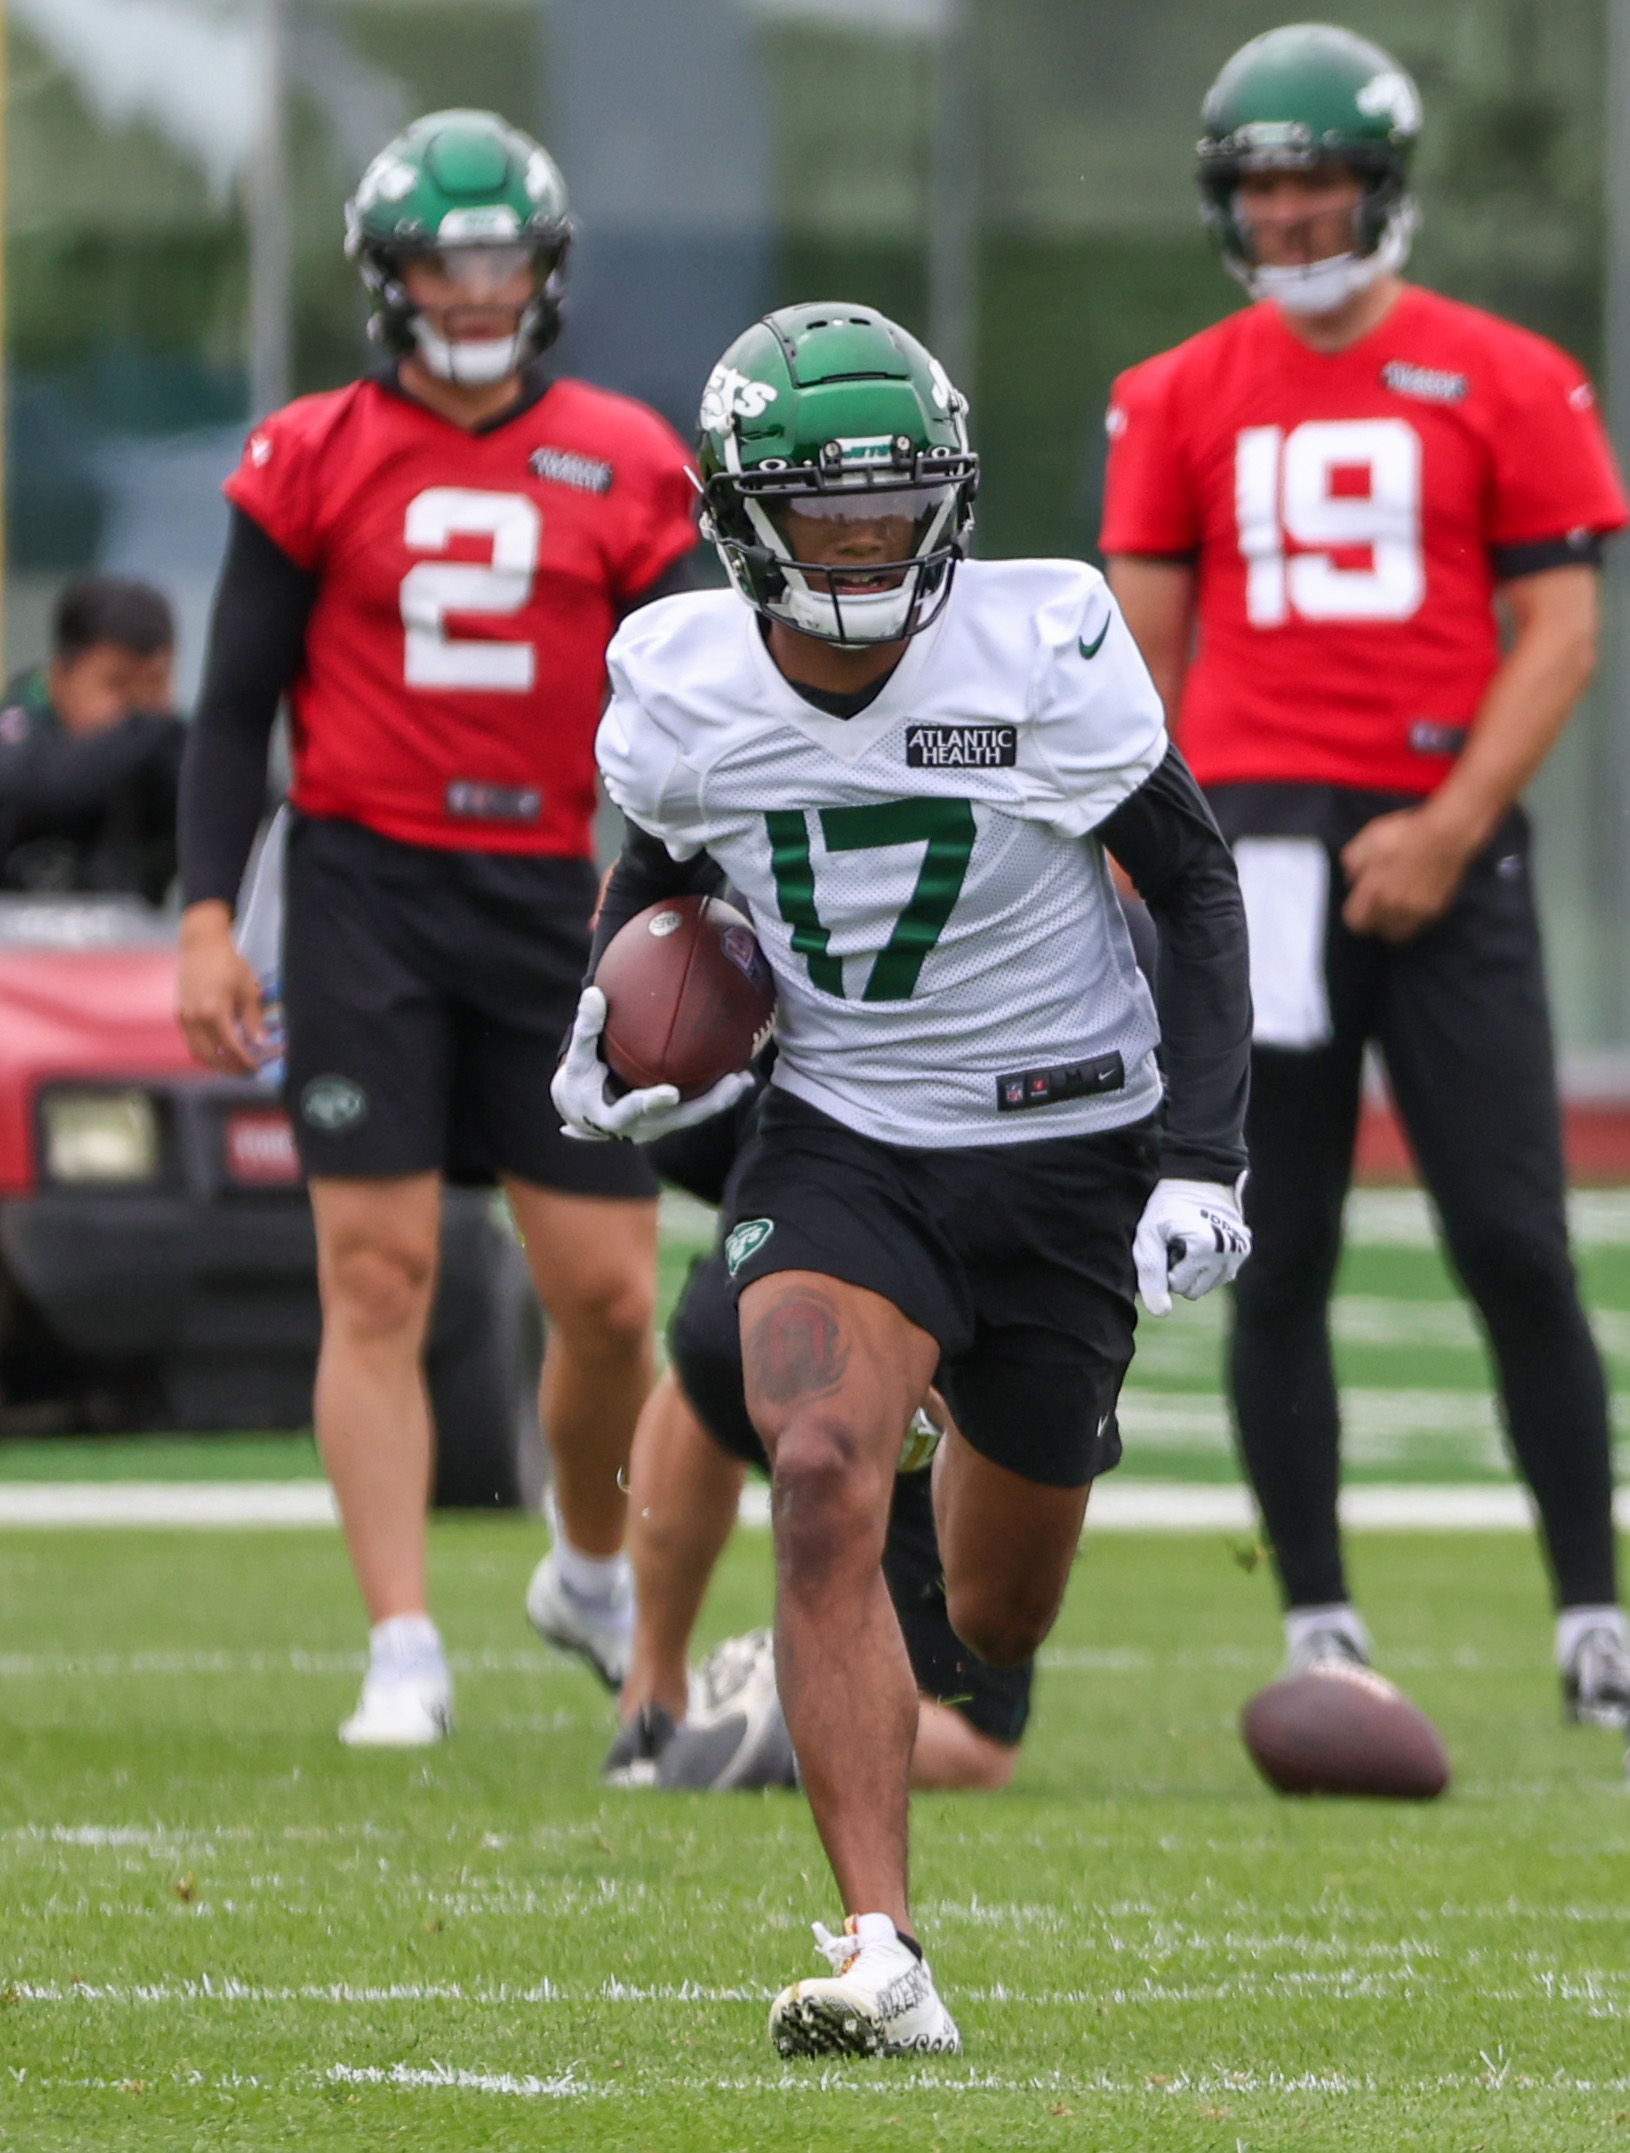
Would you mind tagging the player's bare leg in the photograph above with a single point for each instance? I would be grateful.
(833, 1374)
(376, 1269)
(683, 1493)
(951, 1756)
(593, 1262)
(1007, 1544)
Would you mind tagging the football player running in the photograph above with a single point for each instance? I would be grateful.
(909, 766)
(1334, 486)
(430, 561)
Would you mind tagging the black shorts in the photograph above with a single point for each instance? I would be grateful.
(1016, 1258)
(426, 994)
(704, 1347)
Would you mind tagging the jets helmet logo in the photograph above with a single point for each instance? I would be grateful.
(1391, 95)
(732, 395)
(387, 179)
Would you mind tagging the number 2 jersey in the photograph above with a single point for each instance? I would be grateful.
(951, 962)
(1350, 514)
(467, 585)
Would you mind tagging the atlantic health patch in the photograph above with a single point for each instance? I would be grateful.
(962, 747)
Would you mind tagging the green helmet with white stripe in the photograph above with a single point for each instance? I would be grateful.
(837, 480)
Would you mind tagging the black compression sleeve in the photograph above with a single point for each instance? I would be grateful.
(256, 646)
(1166, 840)
(645, 873)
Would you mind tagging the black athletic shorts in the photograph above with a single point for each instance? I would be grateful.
(426, 995)
(704, 1349)
(1016, 1258)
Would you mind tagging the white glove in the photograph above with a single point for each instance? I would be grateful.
(1190, 1238)
(588, 1109)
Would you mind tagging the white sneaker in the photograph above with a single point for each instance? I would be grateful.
(602, 1636)
(879, 2000)
(401, 1710)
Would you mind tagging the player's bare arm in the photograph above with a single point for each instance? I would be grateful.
(1403, 869)
(1157, 598)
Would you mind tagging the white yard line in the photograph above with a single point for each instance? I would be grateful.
(1120, 1504)
(211, 1503)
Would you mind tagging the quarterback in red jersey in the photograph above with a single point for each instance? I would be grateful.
(429, 563)
(1313, 511)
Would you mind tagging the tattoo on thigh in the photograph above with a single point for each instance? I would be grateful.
(796, 1350)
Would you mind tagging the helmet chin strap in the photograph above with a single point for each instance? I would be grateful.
(475, 362)
(1321, 287)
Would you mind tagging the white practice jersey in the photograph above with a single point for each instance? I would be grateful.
(950, 961)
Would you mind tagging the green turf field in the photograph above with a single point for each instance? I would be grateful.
(221, 1930)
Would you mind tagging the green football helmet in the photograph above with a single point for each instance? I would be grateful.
(486, 199)
(826, 430)
(1309, 94)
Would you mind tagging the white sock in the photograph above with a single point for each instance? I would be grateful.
(1573, 1622)
(597, 1580)
(1301, 1622)
(405, 1645)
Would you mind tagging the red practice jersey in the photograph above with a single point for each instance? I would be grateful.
(1349, 515)
(467, 586)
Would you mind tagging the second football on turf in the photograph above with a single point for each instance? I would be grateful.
(689, 997)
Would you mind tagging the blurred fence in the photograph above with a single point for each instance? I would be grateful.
(1012, 177)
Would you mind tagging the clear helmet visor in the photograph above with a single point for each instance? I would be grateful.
(872, 534)
(481, 275)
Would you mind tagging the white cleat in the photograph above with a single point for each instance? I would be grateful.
(401, 1710)
(602, 1636)
(878, 2000)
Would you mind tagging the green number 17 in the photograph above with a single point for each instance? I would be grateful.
(945, 827)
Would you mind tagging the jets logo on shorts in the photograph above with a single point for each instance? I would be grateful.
(745, 1240)
(333, 1104)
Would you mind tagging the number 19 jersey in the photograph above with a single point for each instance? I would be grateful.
(950, 959)
(1349, 514)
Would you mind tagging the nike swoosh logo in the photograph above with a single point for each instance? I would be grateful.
(1091, 650)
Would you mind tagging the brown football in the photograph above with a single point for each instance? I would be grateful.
(1344, 1730)
(689, 997)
